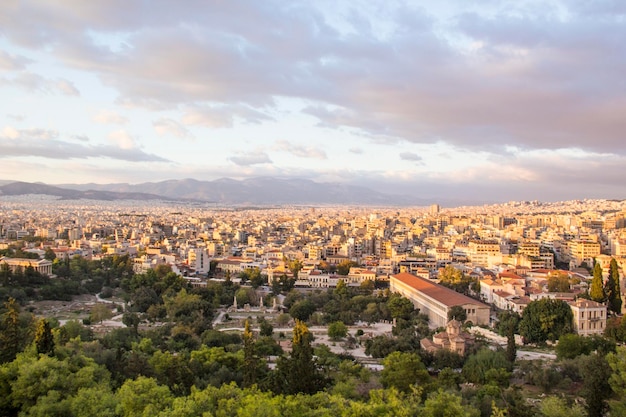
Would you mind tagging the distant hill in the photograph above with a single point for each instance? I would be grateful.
(23, 188)
(259, 191)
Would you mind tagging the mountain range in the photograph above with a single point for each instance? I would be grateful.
(226, 191)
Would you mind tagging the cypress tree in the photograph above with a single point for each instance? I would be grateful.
(596, 292)
(299, 373)
(44, 341)
(613, 291)
(249, 357)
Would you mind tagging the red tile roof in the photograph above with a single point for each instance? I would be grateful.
(435, 291)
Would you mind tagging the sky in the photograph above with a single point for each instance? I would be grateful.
(489, 100)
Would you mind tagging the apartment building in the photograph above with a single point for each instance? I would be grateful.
(589, 317)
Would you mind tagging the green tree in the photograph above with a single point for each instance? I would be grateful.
(446, 404)
(400, 307)
(249, 358)
(100, 312)
(49, 255)
(343, 268)
(596, 291)
(457, 313)
(299, 373)
(302, 310)
(511, 348)
(478, 366)
(265, 327)
(132, 320)
(558, 282)
(246, 295)
(294, 265)
(15, 331)
(44, 340)
(612, 289)
(545, 319)
(558, 407)
(455, 279)
(95, 401)
(572, 345)
(596, 390)
(403, 370)
(617, 380)
(142, 397)
(337, 330)
(47, 381)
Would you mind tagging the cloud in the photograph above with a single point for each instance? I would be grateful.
(223, 116)
(10, 62)
(16, 117)
(36, 83)
(299, 150)
(82, 138)
(169, 127)
(410, 156)
(9, 132)
(42, 143)
(356, 151)
(122, 139)
(110, 117)
(208, 118)
(250, 158)
(66, 87)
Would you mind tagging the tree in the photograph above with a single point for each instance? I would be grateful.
(545, 319)
(596, 292)
(294, 265)
(478, 366)
(131, 320)
(596, 390)
(558, 407)
(15, 331)
(95, 401)
(612, 288)
(617, 380)
(457, 313)
(265, 327)
(443, 404)
(302, 310)
(511, 348)
(100, 312)
(343, 268)
(49, 255)
(455, 279)
(400, 307)
(249, 357)
(299, 372)
(143, 397)
(403, 370)
(10, 331)
(337, 330)
(558, 282)
(44, 340)
(245, 295)
(367, 286)
(506, 320)
(572, 345)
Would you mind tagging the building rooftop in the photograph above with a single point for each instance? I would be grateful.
(435, 291)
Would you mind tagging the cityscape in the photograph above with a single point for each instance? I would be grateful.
(434, 283)
(329, 208)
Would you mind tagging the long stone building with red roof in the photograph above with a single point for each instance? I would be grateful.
(436, 300)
